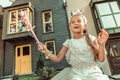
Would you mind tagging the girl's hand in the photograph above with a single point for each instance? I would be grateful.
(42, 48)
(102, 37)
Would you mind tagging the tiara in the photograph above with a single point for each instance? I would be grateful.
(77, 12)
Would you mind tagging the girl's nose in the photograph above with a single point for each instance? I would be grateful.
(76, 22)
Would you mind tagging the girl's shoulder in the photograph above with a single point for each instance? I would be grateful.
(67, 42)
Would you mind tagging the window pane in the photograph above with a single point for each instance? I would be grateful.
(13, 16)
(48, 27)
(18, 52)
(117, 30)
(50, 46)
(103, 8)
(115, 7)
(19, 14)
(47, 16)
(12, 28)
(30, 16)
(117, 18)
(21, 26)
(26, 50)
(108, 21)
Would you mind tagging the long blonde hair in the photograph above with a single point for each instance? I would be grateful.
(92, 45)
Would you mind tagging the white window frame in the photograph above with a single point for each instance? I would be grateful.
(53, 49)
(47, 22)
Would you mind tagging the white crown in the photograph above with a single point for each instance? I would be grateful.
(77, 12)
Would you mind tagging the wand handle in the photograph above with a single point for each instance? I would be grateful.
(34, 35)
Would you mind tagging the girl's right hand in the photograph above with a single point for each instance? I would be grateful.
(42, 48)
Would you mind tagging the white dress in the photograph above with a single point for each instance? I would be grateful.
(81, 58)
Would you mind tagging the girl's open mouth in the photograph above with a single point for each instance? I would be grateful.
(76, 27)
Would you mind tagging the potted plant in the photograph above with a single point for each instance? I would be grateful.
(45, 73)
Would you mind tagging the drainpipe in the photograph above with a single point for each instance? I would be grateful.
(65, 7)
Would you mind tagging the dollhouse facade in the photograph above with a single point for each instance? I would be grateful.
(20, 50)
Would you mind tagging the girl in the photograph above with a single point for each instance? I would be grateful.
(85, 50)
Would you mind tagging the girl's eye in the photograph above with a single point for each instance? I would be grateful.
(78, 21)
(72, 22)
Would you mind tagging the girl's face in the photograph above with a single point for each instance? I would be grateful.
(77, 24)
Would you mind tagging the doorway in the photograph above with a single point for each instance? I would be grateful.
(23, 59)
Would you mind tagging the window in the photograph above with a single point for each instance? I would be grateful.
(107, 14)
(50, 46)
(26, 50)
(18, 52)
(15, 23)
(47, 22)
(23, 50)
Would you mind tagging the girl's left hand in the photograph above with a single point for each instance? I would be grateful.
(42, 48)
(102, 37)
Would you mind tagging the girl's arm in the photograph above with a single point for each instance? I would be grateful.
(59, 56)
(53, 57)
(101, 40)
(101, 53)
